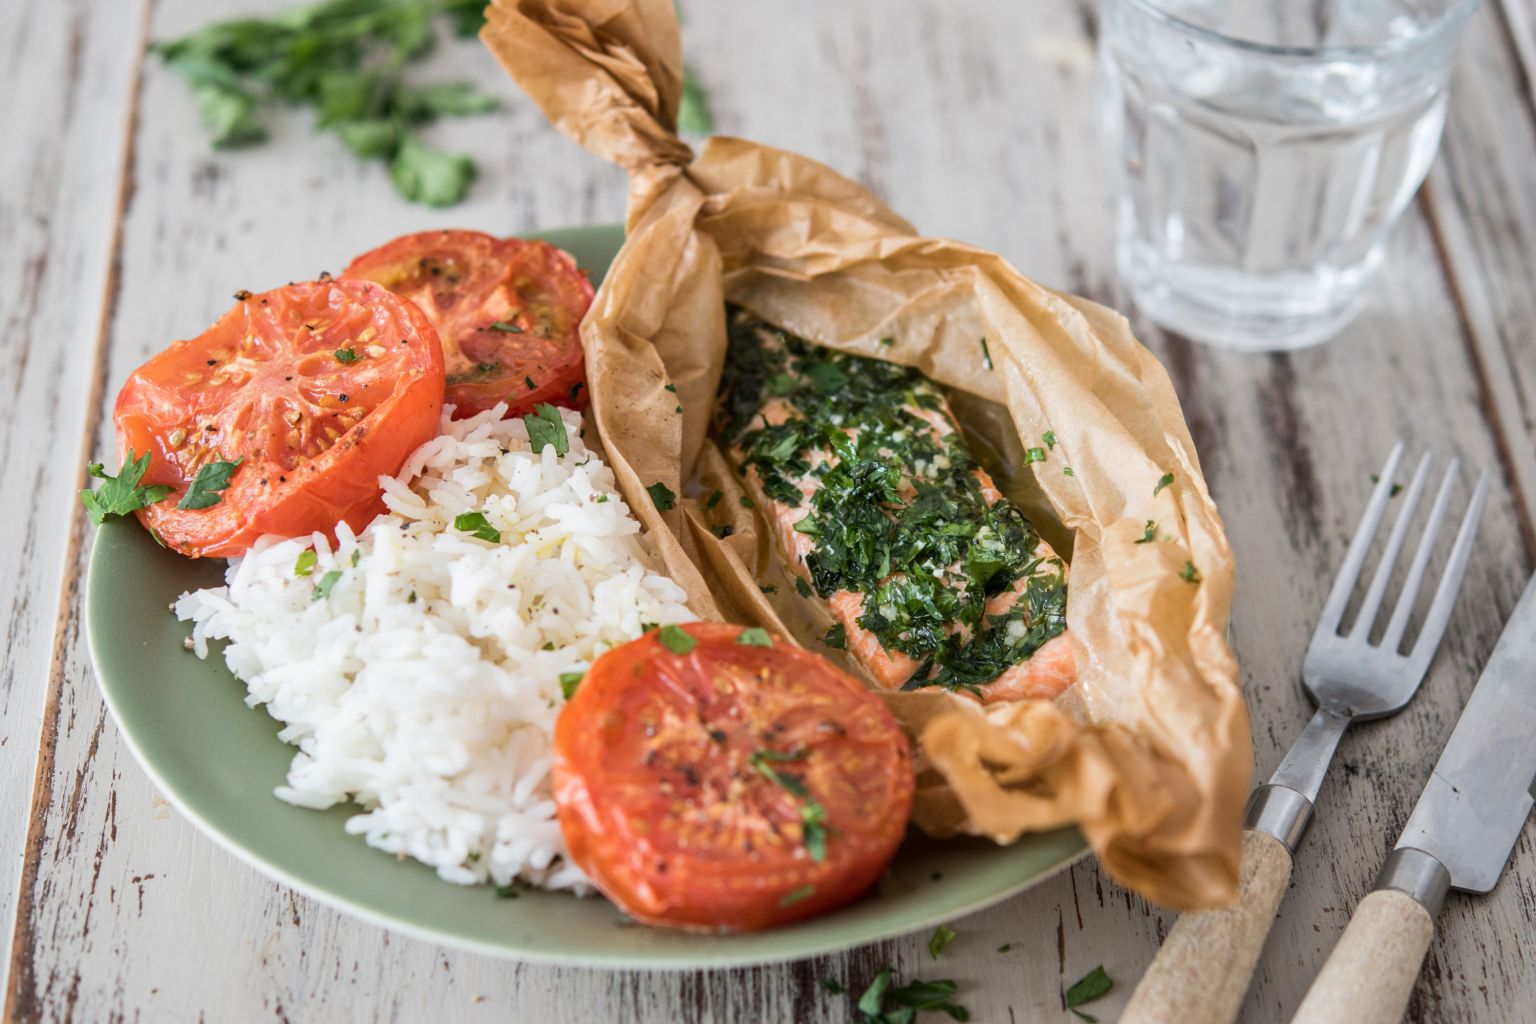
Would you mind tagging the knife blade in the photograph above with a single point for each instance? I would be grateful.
(1476, 802)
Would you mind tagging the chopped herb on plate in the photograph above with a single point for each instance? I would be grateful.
(212, 477)
(662, 496)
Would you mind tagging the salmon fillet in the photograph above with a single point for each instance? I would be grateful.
(879, 509)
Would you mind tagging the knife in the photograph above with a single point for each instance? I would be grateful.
(1459, 836)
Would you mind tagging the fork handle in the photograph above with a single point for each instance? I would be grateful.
(1371, 972)
(1202, 972)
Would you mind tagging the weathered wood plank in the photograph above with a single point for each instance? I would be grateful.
(977, 122)
(65, 85)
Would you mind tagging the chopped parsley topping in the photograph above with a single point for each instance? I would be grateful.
(476, 523)
(1088, 988)
(662, 496)
(1034, 455)
(986, 354)
(305, 563)
(671, 387)
(755, 636)
(676, 639)
(1162, 481)
(747, 502)
(1150, 533)
(942, 936)
(505, 325)
(713, 500)
(796, 895)
(896, 508)
(545, 427)
(768, 588)
(1397, 488)
(813, 815)
(568, 683)
(212, 477)
(346, 355)
(1189, 574)
(528, 383)
(121, 495)
(1067, 471)
(357, 554)
(324, 587)
(1005, 947)
(837, 637)
(1049, 438)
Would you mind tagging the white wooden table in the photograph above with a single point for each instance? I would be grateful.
(120, 231)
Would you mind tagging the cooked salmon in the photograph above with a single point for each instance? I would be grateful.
(879, 509)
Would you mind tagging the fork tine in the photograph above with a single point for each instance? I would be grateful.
(1450, 582)
(1378, 588)
(1354, 559)
(1410, 593)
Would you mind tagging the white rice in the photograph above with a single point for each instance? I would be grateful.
(426, 685)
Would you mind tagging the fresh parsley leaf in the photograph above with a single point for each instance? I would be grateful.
(305, 563)
(1189, 574)
(371, 139)
(801, 587)
(986, 354)
(121, 495)
(813, 829)
(942, 936)
(212, 477)
(568, 683)
(430, 176)
(1089, 987)
(545, 427)
(528, 383)
(1005, 947)
(476, 524)
(1150, 533)
(1049, 438)
(662, 496)
(443, 99)
(676, 639)
(1163, 481)
(346, 355)
(693, 116)
(506, 326)
(836, 637)
(796, 895)
(872, 1002)
(1067, 471)
(327, 582)
(747, 502)
(1034, 455)
(713, 500)
(512, 890)
(754, 636)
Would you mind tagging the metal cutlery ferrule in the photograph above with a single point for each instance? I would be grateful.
(1419, 875)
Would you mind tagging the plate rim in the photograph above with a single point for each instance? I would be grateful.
(595, 959)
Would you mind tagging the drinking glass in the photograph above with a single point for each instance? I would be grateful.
(1264, 149)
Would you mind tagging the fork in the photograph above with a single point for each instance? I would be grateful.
(1202, 971)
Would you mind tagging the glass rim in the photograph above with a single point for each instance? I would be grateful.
(1454, 15)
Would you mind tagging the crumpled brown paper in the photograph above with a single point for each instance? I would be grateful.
(1149, 753)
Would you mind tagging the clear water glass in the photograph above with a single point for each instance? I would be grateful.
(1264, 149)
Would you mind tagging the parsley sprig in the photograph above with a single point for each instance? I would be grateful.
(345, 59)
(121, 495)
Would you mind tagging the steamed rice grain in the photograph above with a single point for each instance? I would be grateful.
(425, 683)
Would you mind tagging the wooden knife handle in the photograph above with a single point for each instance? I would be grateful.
(1371, 972)
(1202, 972)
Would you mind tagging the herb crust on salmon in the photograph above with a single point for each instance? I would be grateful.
(880, 509)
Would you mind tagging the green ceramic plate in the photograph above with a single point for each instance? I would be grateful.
(218, 760)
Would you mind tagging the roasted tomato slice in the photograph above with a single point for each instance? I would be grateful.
(730, 787)
(318, 389)
(508, 312)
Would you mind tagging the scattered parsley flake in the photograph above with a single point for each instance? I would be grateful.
(545, 427)
(836, 637)
(1088, 988)
(568, 683)
(801, 587)
(346, 355)
(506, 326)
(754, 636)
(1067, 471)
(671, 387)
(1049, 437)
(1189, 574)
(942, 936)
(121, 495)
(211, 478)
(305, 563)
(713, 500)
(475, 523)
(1034, 455)
(528, 383)
(662, 496)
(1397, 488)
(324, 587)
(1150, 533)
(833, 986)
(1005, 947)
(986, 354)
(747, 502)
(357, 554)
(676, 639)
(1163, 481)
